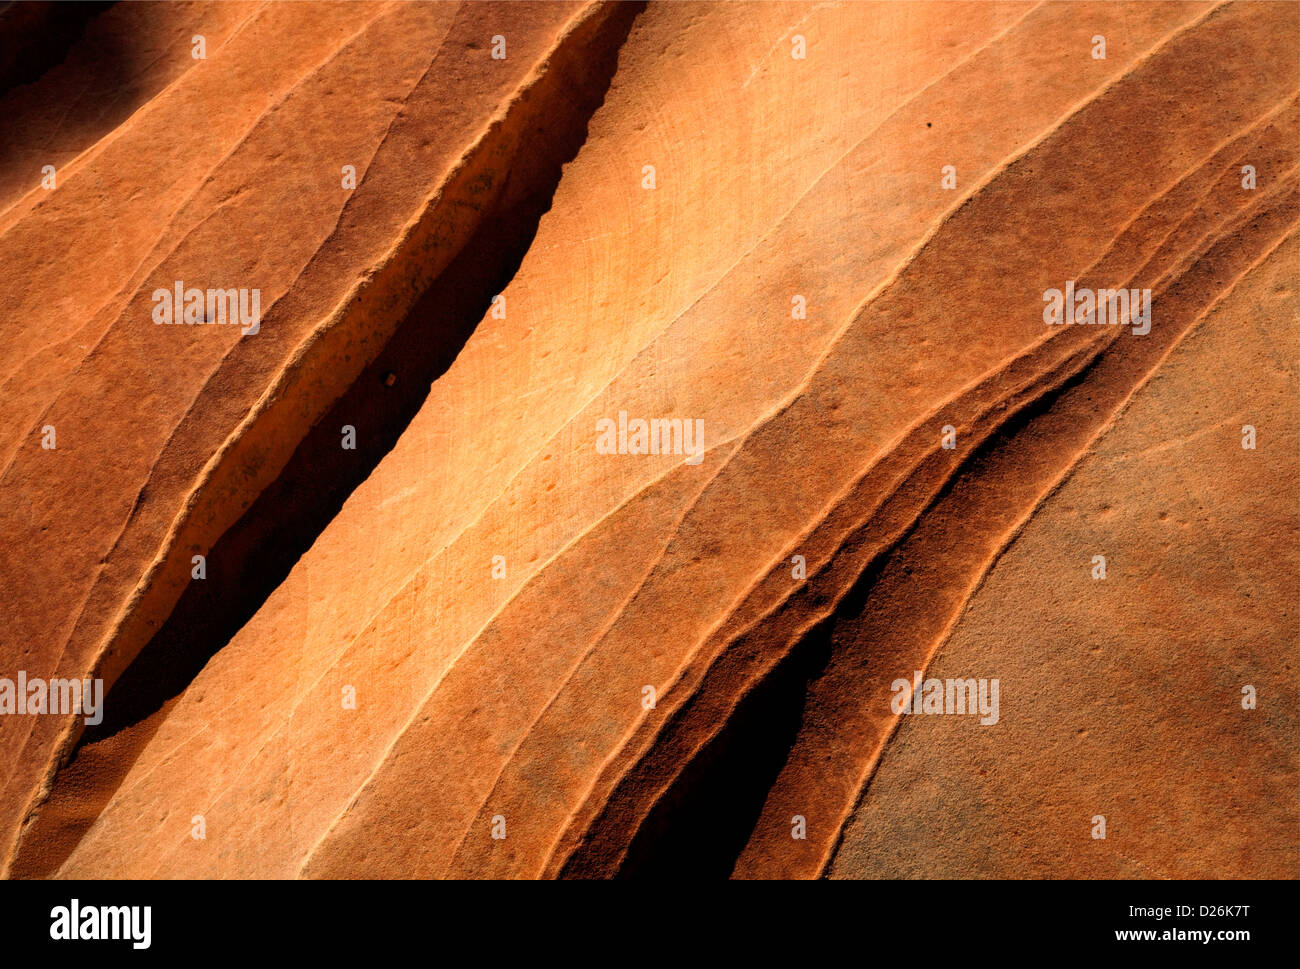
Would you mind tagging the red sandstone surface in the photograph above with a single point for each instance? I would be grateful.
(437, 631)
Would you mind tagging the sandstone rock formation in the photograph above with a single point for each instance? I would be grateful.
(369, 598)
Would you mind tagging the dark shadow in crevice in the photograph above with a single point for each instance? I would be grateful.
(702, 823)
(257, 553)
(699, 826)
(36, 36)
(66, 80)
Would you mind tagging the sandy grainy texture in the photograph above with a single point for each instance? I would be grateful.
(441, 633)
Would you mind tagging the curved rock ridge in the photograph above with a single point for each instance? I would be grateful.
(451, 621)
(812, 620)
(1101, 733)
(333, 286)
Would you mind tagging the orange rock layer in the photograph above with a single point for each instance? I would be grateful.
(437, 631)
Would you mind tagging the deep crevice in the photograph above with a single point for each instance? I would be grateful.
(732, 775)
(255, 555)
(700, 825)
(779, 698)
(688, 832)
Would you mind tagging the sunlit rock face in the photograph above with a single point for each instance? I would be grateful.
(586, 440)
